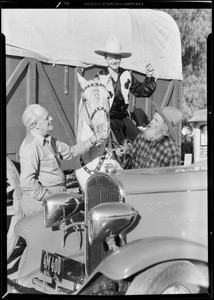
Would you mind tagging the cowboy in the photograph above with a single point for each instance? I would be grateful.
(155, 146)
(40, 154)
(122, 82)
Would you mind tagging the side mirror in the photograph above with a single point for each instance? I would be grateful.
(60, 207)
(108, 219)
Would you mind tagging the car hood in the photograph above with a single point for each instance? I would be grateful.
(156, 180)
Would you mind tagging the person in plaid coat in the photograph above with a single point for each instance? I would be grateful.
(156, 145)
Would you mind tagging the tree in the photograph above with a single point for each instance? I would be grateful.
(194, 26)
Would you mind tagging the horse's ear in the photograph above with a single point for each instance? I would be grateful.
(82, 81)
(105, 79)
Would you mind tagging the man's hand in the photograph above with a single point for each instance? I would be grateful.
(120, 150)
(149, 70)
(101, 134)
(123, 149)
(97, 138)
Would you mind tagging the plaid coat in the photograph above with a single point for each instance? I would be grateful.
(160, 153)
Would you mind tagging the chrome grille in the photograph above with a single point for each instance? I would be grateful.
(100, 188)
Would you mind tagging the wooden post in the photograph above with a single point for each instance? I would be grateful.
(14, 77)
(148, 108)
(56, 103)
(31, 83)
(168, 94)
(66, 80)
(180, 108)
(76, 96)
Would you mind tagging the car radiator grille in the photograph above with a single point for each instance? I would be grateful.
(101, 188)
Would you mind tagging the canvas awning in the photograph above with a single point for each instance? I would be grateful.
(70, 36)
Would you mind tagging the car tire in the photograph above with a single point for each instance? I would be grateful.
(174, 277)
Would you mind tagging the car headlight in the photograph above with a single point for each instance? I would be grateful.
(108, 219)
(60, 207)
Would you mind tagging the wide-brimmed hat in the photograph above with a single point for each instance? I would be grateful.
(171, 115)
(113, 46)
(199, 116)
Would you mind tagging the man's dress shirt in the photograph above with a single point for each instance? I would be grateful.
(40, 163)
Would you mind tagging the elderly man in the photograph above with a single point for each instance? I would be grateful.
(40, 154)
(155, 146)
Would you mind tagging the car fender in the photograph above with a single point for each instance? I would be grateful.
(141, 254)
(144, 253)
(39, 238)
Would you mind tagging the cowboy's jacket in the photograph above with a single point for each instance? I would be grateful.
(119, 91)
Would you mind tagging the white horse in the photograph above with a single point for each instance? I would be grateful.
(93, 116)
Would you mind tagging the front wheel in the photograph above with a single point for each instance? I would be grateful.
(176, 277)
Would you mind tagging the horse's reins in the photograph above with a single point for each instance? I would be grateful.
(101, 158)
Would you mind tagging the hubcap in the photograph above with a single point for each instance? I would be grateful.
(176, 289)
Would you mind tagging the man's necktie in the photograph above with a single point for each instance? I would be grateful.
(47, 143)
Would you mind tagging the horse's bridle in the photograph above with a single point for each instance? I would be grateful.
(99, 165)
(103, 156)
(97, 96)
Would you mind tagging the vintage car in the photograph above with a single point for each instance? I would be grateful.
(131, 232)
(140, 231)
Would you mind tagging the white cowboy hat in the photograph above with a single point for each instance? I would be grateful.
(199, 116)
(113, 46)
(171, 116)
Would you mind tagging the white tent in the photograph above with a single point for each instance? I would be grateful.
(70, 36)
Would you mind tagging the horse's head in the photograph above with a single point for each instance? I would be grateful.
(94, 104)
(94, 117)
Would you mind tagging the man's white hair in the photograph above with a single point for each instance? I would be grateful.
(31, 115)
